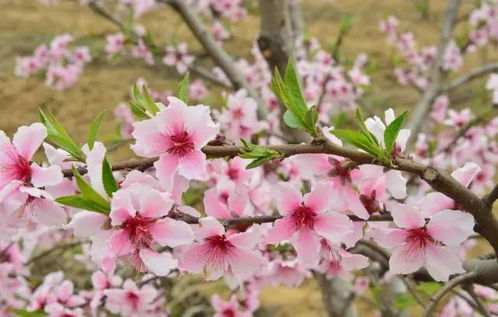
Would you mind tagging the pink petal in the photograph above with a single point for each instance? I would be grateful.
(282, 230)
(209, 227)
(120, 243)
(87, 224)
(213, 207)
(319, 198)
(435, 202)
(406, 260)
(171, 232)
(154, 204)
(466, 173)
(49, 213)
(245, 262)
(396, 184)
(122, 207)
(308, 248)
(28, 139)
(452, 227)
(405, 216)
(288, 198)
(311, 165)
(441, 262)
(389, 237)
(193, 165)
(353, 202)
(45, 176)
(333, 226)
(195, 258)
(248, 239)
(166, 168)
(149, 139)
(158, 263)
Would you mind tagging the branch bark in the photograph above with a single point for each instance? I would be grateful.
(219, 55)
(474, 74)
(424, 105)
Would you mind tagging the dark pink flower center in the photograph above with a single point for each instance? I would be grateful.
(304, 217)
(17, 167)
(237, 113)
(133, 299)
(419, 237)
(138, 231)
(228, 313)
(219, 243)
(233, 173)
(181, 143)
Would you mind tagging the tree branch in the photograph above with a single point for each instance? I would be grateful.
(474, 74)
(420, 111)
(464, 278)
(219, 55)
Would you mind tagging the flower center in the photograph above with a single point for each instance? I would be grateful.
(304, 217)
(233, 173)
(181, 143)
(219, 243)
(228, 313)
(419, 237)
(138, 231)
(133, 299)
(237, 113)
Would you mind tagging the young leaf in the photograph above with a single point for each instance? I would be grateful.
(144, 101)
(57, 135)
(88, 193)
(182, 92)
(139, 113)
(392, 131)
(94, 129)
(110, 184)
(359, 140)
(81, 203)
(258, 154)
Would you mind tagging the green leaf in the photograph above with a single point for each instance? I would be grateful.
(110, 184)
(404, 301)
(88, 193)
(291, 120)
(359, 140)
(363, 127)
(288, 91)
(81, 203)
(429, 288)
(144, 101)
(94, 129)
(139, 113)
(392, 131)
(346, 23)
(258, 154)
(57, 135)
(182, 92)
(25, 313)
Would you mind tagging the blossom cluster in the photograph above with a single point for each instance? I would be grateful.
(322, 205)
(60, 64)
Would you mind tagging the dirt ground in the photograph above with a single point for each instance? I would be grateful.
(25, 24)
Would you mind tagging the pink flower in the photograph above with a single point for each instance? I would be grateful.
(131, 300)
(216, 253)
(433, 244)
(227, 308)
(178, 57)
(458, 119)
(139, 219)
(177, 135)
(307, 219)
(341, 263)
(434, 202)
(115, 43)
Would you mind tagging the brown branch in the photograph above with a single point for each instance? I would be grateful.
(51, 250)
(474, 74)
(219, 55)
(93, 5)
(480, 307)
(420, 110)
(464, 278)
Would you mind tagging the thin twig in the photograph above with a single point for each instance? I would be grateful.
(51, 250)
(474, 74)
(481, 308)
(464, 278)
